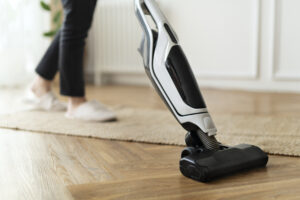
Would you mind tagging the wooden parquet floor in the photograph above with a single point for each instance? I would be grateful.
(44, 166)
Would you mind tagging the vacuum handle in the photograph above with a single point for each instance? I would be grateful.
(155, 12)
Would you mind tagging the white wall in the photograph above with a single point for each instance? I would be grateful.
(241, 44)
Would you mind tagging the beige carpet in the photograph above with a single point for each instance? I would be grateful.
(274, 134)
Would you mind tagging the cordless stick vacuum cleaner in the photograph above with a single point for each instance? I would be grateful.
(204, 158)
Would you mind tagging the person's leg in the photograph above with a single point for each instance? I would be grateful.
(78, 19)
(47, 68)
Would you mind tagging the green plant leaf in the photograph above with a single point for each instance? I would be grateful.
(56, 18)
(45, 6)
(50, 33)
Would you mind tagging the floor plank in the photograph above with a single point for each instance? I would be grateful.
(178, 187)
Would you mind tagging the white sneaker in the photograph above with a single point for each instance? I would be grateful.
(92, 111)
(47, 102)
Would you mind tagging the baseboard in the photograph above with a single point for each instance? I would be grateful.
(232, 84)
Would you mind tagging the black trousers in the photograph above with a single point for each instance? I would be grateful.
(66, 50)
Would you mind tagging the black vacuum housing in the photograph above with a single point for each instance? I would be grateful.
(204, 165)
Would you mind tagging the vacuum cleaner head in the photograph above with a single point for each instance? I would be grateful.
(204, 165)
(168, 69)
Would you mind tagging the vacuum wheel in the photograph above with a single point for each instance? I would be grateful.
(188, 151)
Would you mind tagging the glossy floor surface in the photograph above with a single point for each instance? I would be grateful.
(44, 166)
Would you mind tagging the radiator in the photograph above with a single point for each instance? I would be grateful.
(116, 36)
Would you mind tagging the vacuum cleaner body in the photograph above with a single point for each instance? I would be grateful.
(170, 73)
